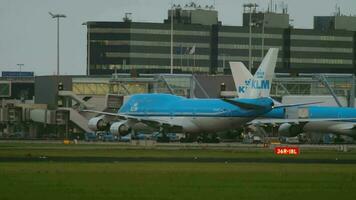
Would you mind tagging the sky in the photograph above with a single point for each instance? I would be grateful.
(28, 33)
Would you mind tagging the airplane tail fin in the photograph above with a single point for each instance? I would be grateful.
(260, 84)
(241, 76)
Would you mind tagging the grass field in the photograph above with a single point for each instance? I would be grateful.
(111, 150)
(173, 180)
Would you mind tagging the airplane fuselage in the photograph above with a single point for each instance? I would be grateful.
(193, 115)
(345, 127)
(316, 112)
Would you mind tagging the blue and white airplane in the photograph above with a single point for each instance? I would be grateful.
(321, 119)
(170, 113)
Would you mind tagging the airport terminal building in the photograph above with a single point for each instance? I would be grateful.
(202, 44)
(126, 58)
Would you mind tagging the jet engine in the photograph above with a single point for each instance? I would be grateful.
(120, 128)
(97, 124)
(289, 130)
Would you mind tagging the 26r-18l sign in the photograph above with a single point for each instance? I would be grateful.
(286, 150)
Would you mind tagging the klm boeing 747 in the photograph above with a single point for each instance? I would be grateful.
(170, 113)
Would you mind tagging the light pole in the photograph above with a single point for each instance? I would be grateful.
(57, 16)
(249, 43)
(172, 12)
(172, 19)
(263, 39)
(20, 66)
(250, 6)
(88, 47)
(262, 23)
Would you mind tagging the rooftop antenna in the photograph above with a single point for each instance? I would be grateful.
(284, 7)
(337, 10)
(127, 17)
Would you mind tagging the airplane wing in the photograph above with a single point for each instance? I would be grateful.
(296, 121)
(149, 122)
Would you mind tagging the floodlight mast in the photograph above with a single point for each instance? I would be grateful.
(88, 47)
(171, 58)
(57, 16)
(252, 8)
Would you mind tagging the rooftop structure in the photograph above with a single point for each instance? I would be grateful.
(203, 45)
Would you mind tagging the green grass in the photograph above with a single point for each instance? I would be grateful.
(58, 150)
(176, 181)
(169, 180)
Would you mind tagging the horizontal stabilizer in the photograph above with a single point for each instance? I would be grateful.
(296, 104)
(244, 105)
(256, 104)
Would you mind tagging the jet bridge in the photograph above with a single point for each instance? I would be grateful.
(71, 96)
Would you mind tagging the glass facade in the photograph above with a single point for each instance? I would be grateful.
(145, 47)
(124, 47)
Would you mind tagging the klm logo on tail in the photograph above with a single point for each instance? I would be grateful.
(242, 89)
(259, 84)
(263, 84)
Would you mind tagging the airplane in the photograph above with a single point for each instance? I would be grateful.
(321, 119)
(169, 113)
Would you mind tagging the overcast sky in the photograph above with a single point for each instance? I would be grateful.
(28, 33)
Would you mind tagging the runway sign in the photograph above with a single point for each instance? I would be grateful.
(286, 150)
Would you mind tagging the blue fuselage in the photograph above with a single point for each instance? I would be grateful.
(316, 112)
(195, 115)
(171, 105)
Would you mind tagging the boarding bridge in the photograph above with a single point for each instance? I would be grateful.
(44, 116)
(76, 98)
(77, 118)
(61, 116)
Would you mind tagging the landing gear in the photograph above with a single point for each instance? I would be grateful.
(189, 138)
(208, 138)
(201, 138)
(163, 136)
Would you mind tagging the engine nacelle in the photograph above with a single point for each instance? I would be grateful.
(97, 124)
(120, 128)
(289, 130)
